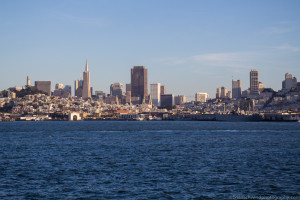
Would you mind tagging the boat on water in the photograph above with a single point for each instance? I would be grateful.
(238, 117)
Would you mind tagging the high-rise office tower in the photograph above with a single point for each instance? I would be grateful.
(128, 87)
(44, 86)
(167, 100)
(78, 87)
(155, 93)
(223, 92)
(116, 89)
(179, 99)
(139, 81)
(163, 89)
(68, 89)
(59, 86)
(289, 82)
(229, 94)
(254, 82)
(28, 81)
(236, 89)
(86, 89)
(62, 91)
(218, 93)
(201, 97)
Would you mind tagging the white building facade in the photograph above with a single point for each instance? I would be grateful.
(201, 97)
(155, 93)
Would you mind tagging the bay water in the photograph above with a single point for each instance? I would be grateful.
(149, 160)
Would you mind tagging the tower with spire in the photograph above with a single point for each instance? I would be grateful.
(86, 89)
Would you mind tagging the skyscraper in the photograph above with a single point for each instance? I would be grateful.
(155, 93)
(86, 89)
(116, 89)
(78, 87)
(139, 81)
(254, 82)
(289, 82)
(201, 97)
(179, 99)
(62, 91)
(163, 89)
(167, 100)
(223, 92)
(59, 86)
(218, 93)
(236, 89)
(44, 86)
(128, 87)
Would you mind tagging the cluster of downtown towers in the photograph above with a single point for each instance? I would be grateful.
(137, 90)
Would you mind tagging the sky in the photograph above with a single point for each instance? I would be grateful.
(189, 46)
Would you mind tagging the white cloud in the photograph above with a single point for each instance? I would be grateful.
(228, 60)
(231, 60)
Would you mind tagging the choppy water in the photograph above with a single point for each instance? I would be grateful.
(148, 160)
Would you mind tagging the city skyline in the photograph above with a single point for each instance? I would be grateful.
(189, 47)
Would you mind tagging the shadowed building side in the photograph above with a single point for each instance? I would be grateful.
(139, 83)
(44, 86)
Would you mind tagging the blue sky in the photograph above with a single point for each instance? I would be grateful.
(189, 46)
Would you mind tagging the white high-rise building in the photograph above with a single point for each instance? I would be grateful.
(155, 93)
(201, 97)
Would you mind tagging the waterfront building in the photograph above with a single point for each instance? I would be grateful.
(139, 81)
(254, 90)
(116, 89)
(289, 82)
(201, 97)
(163, 89)
(44, 86)
(86, 89)
(236, 89)
(167, 100)
(155, 93)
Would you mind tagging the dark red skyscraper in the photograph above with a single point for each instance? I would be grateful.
(139, 82)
